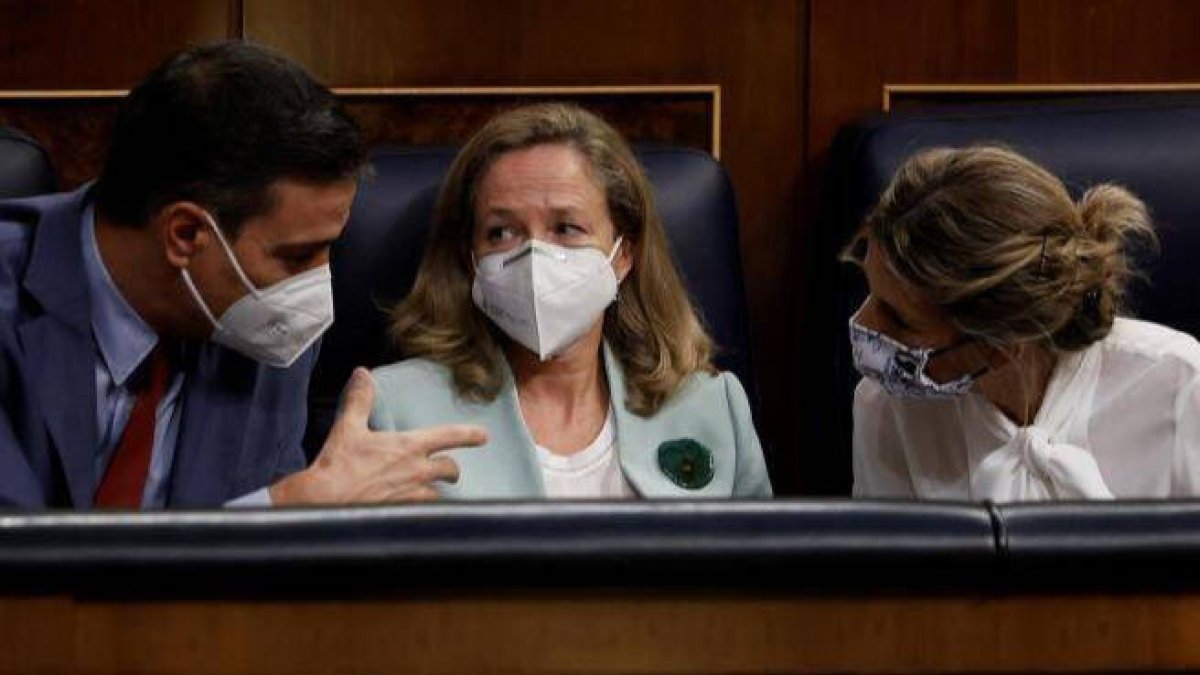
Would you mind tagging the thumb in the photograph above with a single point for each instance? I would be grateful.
(357, 400)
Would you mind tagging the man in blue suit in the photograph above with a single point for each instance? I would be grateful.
(158, 328)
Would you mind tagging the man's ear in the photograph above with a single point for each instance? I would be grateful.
(185, 232)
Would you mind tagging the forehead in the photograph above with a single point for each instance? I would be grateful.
(551, 174)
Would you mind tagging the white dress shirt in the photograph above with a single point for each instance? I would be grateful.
(1120, 419)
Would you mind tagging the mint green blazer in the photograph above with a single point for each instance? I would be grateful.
(700, 444)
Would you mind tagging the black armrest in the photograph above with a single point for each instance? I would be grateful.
(805, 545)
(1144, 546)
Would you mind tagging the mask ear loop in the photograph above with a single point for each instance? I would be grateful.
(975, 374)
(613, 255)
(232, 258)
(616, 247)
(191, 286)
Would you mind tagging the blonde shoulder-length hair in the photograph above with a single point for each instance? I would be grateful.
(652, 328)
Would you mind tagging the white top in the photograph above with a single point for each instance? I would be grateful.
(592, 473)
(1119, 419)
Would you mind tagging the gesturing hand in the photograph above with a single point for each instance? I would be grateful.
(360, 465)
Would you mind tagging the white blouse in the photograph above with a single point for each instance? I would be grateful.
(592, 473)
(1120, 419)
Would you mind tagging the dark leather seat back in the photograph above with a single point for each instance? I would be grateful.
(1150, 144)
(375, 261)
(25, 168)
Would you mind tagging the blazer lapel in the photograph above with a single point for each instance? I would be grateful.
(639, 461)
(525, 470)
(60, 351)
(507, 467)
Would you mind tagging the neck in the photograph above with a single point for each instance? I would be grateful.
(573, 379)
(1017, 385)
(128, 253)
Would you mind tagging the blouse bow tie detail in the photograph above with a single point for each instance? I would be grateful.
(1048, 459)
(1031, 466)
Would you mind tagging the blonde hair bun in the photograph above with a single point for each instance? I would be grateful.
(1113, 221)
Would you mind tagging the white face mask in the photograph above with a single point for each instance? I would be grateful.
(276, 324)
(545, 296)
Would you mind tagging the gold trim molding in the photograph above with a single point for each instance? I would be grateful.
(890, 91)
(713, 91)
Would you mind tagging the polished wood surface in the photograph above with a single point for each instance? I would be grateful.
(56, 44)
(603, 633)
(73, 125)
(988, 42)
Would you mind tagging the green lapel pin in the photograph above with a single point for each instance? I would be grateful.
(686, 462)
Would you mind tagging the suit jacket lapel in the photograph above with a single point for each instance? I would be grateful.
(216, 420)
(59, 347)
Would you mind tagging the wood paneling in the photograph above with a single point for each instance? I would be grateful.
(74, 132)
(857, 47)
(582, 633)
(1107, 41)
(74, 126)
(53, 44)
(653, 115)
(753, 49)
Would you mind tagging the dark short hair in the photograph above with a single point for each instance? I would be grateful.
(218, 124)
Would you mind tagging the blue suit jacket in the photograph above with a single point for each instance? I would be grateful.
(241, 422)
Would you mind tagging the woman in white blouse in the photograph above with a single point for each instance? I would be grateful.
(995, 364)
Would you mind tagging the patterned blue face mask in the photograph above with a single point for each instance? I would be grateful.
(900, 369)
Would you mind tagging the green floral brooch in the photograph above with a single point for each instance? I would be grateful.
(687, 463)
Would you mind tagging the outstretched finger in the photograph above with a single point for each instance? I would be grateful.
(432, 439)
(357, 400)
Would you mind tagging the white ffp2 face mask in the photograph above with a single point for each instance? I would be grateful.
(545, 296)
(273, 325)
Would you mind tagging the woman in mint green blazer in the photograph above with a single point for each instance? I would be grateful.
(548, 311)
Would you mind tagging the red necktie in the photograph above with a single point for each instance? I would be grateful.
(125, 479)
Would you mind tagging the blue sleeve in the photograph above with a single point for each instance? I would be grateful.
(291, 457)
(19, 485)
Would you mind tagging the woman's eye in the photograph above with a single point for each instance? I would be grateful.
(566, 228)
(498, 233)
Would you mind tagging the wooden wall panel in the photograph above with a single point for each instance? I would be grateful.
(1090, 41)
(53, 44)
(753, 49)
(74, 125)
(857, 47)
